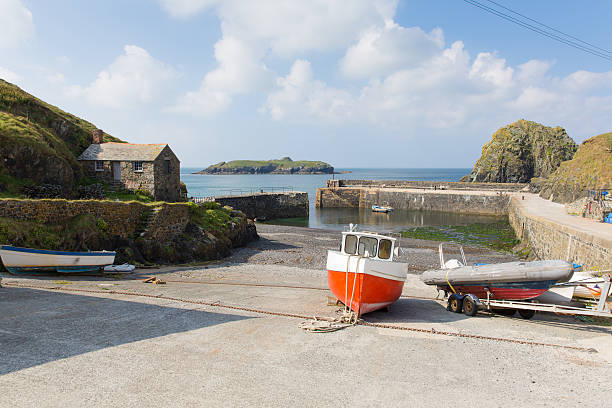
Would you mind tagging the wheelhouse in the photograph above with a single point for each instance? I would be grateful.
(368, 245)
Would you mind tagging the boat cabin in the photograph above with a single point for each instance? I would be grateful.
(368, 245)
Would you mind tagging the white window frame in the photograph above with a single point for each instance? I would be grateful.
(137, 166)
(99, 165)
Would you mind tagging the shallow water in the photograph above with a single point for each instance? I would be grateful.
(199, 185)
(397, 220)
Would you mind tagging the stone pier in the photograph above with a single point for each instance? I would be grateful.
(292, 204)
(467, 198)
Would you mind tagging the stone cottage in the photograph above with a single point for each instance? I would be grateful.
(149, 167)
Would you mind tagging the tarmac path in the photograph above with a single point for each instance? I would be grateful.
(87, 341)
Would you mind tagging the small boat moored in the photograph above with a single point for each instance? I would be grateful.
(382, 208)
(24, 260)
(363, 274)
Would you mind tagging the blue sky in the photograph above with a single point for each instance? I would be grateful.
(358, 83)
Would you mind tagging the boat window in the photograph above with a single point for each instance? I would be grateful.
(350, 244)
(384, 249)
(368, 244)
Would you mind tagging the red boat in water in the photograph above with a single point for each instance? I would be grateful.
(363, 275)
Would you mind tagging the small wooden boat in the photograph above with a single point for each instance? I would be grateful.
(363, 274)
(382, 208)
(503, 281)
(25, 260)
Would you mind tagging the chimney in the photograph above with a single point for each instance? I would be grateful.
(97, 136)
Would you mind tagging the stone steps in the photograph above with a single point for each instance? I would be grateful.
(146, 221)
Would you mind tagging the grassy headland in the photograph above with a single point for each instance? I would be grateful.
(39, 143)
(282, 166)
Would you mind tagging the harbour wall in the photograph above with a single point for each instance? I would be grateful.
(550, 240)
(546, 238)
(428, 185)
(468, 202)
(269, 205)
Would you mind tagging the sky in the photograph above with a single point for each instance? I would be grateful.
(355, 83)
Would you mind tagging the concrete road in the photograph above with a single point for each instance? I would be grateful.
(69, 348)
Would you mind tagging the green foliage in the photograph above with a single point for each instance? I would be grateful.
(101, 225)
(498, 236)
(48, 134)
(210, 216)
(126, 195)
(590, 168)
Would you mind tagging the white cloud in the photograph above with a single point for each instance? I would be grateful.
(448, 92)
(185, 8)
(240, 71)
(298, 95)
(402, 77)
(133, 78)
(8, 75)
(16, 23)
(252, 30)
(381, 50)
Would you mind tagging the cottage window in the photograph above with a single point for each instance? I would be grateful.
(167, 162)
(137, 165)
(99, 165)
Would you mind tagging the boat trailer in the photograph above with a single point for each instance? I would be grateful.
(470, 304)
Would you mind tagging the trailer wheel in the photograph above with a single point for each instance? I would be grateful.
(470, 307)
(526, 313)
(455, 303)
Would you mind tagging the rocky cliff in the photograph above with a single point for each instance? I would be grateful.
(282, 166)
(590, 168)
(39, 143)
(521, 151)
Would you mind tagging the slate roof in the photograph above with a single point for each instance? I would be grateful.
(122, 152)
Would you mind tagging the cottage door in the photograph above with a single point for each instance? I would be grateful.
(117, 171)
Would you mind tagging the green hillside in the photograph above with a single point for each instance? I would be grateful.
(39, 142)
(590, 168)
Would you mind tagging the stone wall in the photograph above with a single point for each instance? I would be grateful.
(488, 203)
(122, 219)
(269, 205)
(549, 240)
(428, 185)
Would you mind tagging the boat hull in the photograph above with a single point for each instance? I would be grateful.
(365, 285)
(504, 290)
(26, 260)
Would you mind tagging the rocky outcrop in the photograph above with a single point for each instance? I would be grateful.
(521, 151)
(590, 168)
(282, 166)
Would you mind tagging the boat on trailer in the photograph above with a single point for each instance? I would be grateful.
(363, 273)
(501, 281)
(27, 260)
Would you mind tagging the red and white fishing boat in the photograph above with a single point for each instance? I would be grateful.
(363, 274)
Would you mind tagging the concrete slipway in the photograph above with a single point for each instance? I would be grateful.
(87, 346)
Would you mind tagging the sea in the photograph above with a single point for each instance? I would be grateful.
(201, 185)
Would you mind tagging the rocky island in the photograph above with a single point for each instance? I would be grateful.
(282, 166)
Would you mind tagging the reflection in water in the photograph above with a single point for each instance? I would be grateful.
(397, 220)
